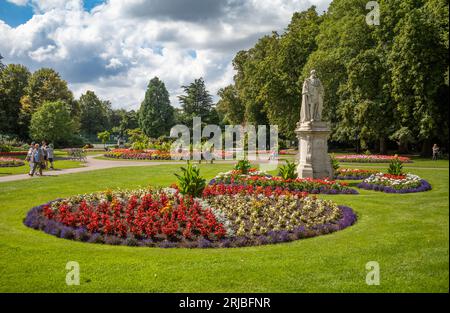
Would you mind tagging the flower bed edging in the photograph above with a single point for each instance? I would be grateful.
(424, 186)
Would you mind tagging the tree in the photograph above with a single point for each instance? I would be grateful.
(52, 122)
(93, 114)
(1, 64)
(104, 137)
(419, 62)
(44, 85)
(13, 80)
(196, 101)
(365, 111)
(156, 115)
(230, 105)
(343, 35)
(283, 68)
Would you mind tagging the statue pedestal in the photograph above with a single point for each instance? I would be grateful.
(314, 161)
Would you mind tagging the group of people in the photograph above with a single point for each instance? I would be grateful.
(39, 157)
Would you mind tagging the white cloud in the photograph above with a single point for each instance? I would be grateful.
(18, 2)
(119, 46)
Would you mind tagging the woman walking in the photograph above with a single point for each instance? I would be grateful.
(50, 155)
(29, 158)
(38, 158)
(435, 152)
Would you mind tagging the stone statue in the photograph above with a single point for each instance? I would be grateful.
(312, 99)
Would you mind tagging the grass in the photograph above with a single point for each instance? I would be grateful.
(407, 234)
(24, 169)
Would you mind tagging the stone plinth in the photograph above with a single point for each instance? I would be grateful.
(314, 161)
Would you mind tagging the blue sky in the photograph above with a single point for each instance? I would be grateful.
(114, 47)
(14, 15)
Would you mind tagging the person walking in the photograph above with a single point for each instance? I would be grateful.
(44, 152)
(435, 152)
(29, 158)
(38, 158)
(50, 155)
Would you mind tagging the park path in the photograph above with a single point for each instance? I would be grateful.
(92, 164)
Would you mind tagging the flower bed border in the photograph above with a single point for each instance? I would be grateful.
(372, 158)
(350, 177)
(425, 186)
(36, 220)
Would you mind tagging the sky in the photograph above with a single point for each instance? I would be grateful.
(114, 47)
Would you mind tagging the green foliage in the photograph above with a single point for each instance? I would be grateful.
(52, 122)
(137, 139)
(190, 182)
(13, 80)
(93, 114)
(196, 102)
(230, 105)
(243, 166)
(104, 136)
(156, 115)
(44, 85)
(334, 162)
(395, 167)
(288, 170)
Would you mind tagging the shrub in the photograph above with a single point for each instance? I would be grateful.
(190, 182)
(243, 166)
(288, 170)
(395, 167)
(334, 162)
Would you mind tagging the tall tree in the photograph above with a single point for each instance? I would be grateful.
(13, 80)
(365, 111)
(196, 101)
(52, 122)
(93, 114)
(283, 67)
(44, 85)
(419, 62)
(156, 115)
(343, 35)
(230, 105)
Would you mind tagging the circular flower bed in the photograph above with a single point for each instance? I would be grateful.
(353, 173)
(369, 158)
(165, 218)
(11, 162)
(395, 183)
(261, 179)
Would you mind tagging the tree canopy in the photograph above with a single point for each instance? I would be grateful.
(52, 122)
(156, 115)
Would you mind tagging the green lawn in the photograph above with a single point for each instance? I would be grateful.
(24, 169)
(407, 234)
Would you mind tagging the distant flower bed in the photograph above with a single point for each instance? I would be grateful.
(353, 173)
(165, 218)
(260, 179)
(395, 183)
(288, 152)
(13, 153)
(10, 162)
(150, 154)
(363, 158)
(129, 154)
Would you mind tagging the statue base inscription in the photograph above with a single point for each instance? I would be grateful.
(314, 161)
